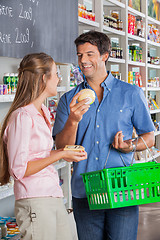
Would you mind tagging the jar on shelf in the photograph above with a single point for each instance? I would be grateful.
(106, 22)
(118, 53)
(152, 60)
(113, 53)
(121, 53)
(156, 60)
(139, 30)
(115, 14)
(119, 25)
(149, 58)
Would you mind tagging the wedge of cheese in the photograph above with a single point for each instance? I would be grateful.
(74, 148)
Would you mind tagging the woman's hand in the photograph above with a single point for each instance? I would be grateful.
(74, 156)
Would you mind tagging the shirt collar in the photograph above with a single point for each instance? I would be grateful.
(33, 110)
(108, 82)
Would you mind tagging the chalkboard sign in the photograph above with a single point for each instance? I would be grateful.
(28, 26)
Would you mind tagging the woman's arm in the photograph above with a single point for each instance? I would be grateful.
(37, 165)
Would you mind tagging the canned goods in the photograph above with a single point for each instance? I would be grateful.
(1, 89)
(6, 75)
(13, 83)
(8, 84)
(5, 90)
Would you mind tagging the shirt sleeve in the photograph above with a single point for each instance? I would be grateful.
(19, 132)
(61, 116)
(141, 116)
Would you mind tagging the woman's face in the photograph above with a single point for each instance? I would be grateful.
(52, 82)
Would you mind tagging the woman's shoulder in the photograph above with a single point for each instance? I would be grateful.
(20, 114)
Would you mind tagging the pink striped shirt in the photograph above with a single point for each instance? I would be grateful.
(28, 137)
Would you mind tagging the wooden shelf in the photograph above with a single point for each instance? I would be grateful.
(88, 22)
(154, 111)
(7, 98)
(135, 12)
(134, 37)
(6, 192)
(113, 3)
(134, 63)
(61, 89)
(153, 66)
(152, 20)
(153, 89)
(155, 156)
(116, 60)
(113, 31)
(149, 159)
(10, 97)
(156, 133)
(153, 43)
(60, 164)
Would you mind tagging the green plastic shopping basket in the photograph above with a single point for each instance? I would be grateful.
(136, 184)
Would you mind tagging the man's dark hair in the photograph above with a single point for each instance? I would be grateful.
(99, 39)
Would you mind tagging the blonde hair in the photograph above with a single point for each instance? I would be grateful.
(30, 85)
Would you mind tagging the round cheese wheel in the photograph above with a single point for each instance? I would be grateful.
(87, 93)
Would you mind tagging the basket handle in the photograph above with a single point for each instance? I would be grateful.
(152, 156)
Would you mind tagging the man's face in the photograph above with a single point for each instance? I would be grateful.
(90, 61)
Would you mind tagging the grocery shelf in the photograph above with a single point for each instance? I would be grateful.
(7, 98)
(153, 43)
(113, 31)
(6, 192)
(153, 66)
(10, 97)
(61, 89)
(153, 89)
(140, 64)
(116, 60)
(113, 3)
(134, 37)
(154, 111)
(135, 12)
(60, 164)
(155, 156)
(149, 159)
(152, 20)
(88, 22)
(156, 133)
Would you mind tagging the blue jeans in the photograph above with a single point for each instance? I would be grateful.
(108, 224)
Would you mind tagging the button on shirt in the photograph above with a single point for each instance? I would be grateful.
(122, 107)
(28, 137)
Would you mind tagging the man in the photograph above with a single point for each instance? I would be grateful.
(107, 122)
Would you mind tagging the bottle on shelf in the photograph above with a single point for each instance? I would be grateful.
(149, 57)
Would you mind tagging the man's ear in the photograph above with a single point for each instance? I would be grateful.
(105, 56)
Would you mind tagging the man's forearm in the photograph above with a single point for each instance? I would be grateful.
(149, 140)
(68, 135)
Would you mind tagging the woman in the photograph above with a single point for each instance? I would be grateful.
(26, 153)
